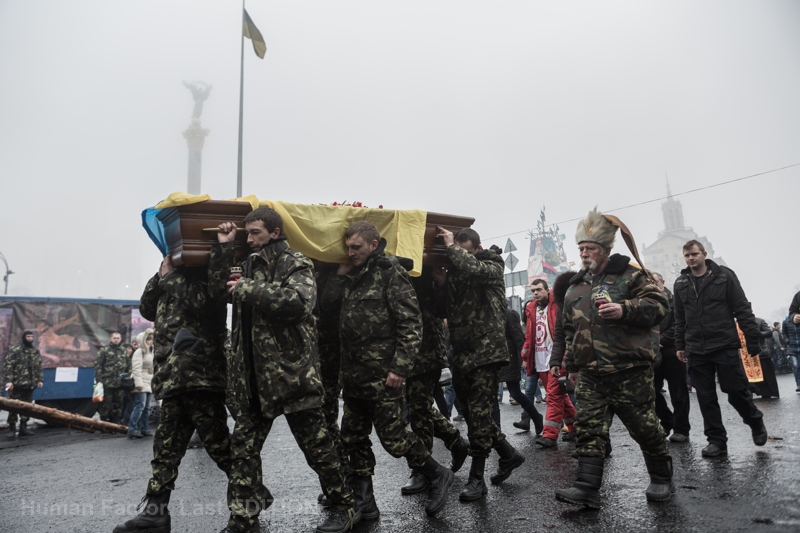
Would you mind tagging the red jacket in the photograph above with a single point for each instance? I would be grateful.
(530, 330)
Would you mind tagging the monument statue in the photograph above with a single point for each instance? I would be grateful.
(200, 92)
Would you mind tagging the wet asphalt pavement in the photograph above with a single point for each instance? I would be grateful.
(57, 482)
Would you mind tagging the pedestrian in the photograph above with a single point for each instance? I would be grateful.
(611, 313)
(782, 365)
(673, 370)
(510, 375)
(274, 368)
(768, 388)
(189, 378)
(472, 289)
(127, 396)
(709, 303)
(111, 361)
(791, 334)
(381, 332)
(142, 370)
(22, 374)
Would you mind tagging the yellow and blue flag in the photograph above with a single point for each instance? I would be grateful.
(252, 33)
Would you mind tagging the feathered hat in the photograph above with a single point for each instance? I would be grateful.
(596, 228)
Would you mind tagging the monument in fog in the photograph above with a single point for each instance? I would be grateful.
(195, 135)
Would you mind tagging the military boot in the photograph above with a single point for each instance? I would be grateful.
(440, 480)
(365, 497)
(660, 469)
(12, 429)
(154, 517)
(475, 488)
(585, 489)
(340, 521)
(510, 459)
(23, 429)
(524, 423)
(459, 453)
(416, 483)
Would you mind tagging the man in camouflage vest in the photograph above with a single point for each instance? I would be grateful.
(189, 378)
(274, 368)
(380, 331)
(473, 290)
(22, 371)
(111, 361)
(611, 314)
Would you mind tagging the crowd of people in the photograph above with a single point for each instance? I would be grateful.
(602, 342)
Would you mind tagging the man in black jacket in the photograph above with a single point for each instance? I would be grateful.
(709, 301)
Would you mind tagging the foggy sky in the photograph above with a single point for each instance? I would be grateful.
(483, 109)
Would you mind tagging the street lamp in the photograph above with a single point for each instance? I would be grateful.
(8, 272)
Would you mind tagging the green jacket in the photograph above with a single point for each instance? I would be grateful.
(109, 363)
(380, 326)
(181, 300)
(607, 346)
(475, 300)
(274, 339)
(23, 367)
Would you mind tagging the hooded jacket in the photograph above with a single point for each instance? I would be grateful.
(142, 362)
(705, 319)
(22, 366)
(607, 346)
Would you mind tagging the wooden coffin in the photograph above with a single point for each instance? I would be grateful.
(188, 244)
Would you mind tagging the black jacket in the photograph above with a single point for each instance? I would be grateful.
(791, 336)
(794, 308)
(765, 342)
(515, 338)
(704, 317)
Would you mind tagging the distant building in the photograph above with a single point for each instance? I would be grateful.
(665, 255)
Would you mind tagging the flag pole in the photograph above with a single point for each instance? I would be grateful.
(241, 100)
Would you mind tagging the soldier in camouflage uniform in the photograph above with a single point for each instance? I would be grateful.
(611, 315)
(189, 378)
(275, 368)
(22, 371)
(426, 421)
(380, 332)
(473, 290)
(111, 361)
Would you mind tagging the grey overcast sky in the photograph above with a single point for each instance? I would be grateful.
(485, 109)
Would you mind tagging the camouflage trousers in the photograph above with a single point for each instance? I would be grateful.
(111, 407)
(245, 482)
(628, 394)
(180, 416)
(329, 363)
(477, 392)
(386, 414)
(23, 395)
(426, 421)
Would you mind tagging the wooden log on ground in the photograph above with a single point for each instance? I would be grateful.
(61, 418)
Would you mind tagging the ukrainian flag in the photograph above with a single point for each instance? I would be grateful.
(252, 33)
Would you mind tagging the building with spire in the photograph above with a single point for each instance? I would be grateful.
(665, 255)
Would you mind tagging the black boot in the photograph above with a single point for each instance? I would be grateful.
(660, 469)
(416, 483)
(524, 422)
(340, 521)
(459, 454)
(154, 517)
(23, 429)
(12, 429)
(365, 498)
(475, 488)
(538, 423)
(585, 490)
(440, 479)
(510, 459)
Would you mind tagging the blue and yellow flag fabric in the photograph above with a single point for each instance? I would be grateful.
(252, 33)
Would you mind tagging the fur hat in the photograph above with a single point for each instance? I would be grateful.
(596, 228)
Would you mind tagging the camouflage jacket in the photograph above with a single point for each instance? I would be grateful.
(274, 339)
(607, 346)
(181, 299)
(433, 349)
(109, 363)
(23, 367)
(380, 326)
(475, 302)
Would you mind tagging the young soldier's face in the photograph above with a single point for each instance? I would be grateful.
(258, 236)
(29, 337)
(469, 247)
(694, 257)
(359, 249)
(116, 338)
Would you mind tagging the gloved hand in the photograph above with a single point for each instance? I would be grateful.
(186, 342)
